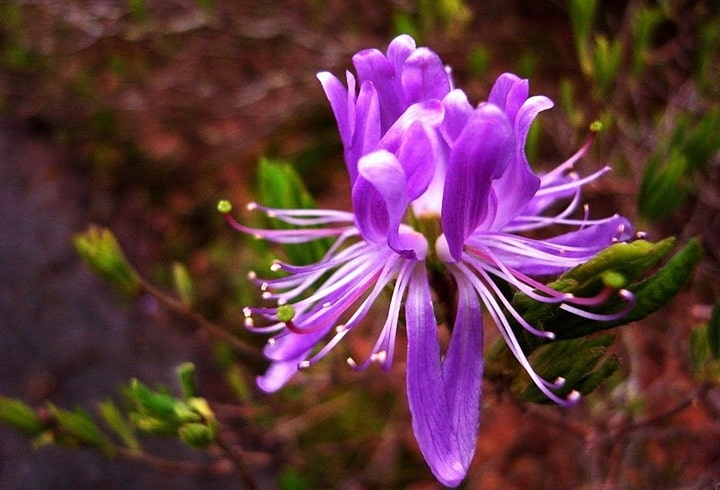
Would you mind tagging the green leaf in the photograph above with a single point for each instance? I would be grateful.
(577, 361)
(18, 415)
(631, 260)
(279, 186)
(80, 425)
(117, 422)
(149, 402)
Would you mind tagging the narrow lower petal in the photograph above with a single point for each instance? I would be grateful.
(427, 398)
(463, 370)
(366, 134)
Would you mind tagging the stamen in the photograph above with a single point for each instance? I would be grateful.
(303, 365)
(251, 206)
(351, 362)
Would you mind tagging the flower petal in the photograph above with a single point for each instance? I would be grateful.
(509, 92)
(366, 133)
(417, 155)
(429, 409)
(457, 112)
(424, 77)
(480, 155)
(399, 49)
(463, 370)
(380, 198)
(372, 65)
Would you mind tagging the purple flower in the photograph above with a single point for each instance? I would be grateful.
(421, 158)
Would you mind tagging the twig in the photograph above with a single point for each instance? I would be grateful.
(248, 351)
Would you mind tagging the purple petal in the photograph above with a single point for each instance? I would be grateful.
(429, 408)
(480, 155)
(430, 113)
(399, 49)
(457, 112)
(372, 65)
(337, 95)
(380, 198)
(509, 93)
(278, 374)
(463, 368)
(417, 155)
(367, 131)
(424, 77)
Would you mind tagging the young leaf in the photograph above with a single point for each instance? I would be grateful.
(115, 420)
(80, 425)
(20, 416)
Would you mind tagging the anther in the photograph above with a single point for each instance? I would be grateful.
(249, 323)
(351, 362)
(251, 206)
(247, 311)
(573, 396)
(640, 235)
(271, 341)
(251, 275)
(275, 266)
(340, 329)
(303, 364)
(379, 356)
(559, 381)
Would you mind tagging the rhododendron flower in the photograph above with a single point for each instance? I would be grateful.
(437, 185)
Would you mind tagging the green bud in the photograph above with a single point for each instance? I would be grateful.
(196, 435)
(183, 283)
(115, 420)
(186, 376)
(102, 253)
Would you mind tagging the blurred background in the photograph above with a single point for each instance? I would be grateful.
(139, 115)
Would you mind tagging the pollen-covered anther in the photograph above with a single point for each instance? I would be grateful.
(275, 266)
(303, 364)
(573, 396)
(626, 295)
(327, 304)
(568, 296)
(351, 362)
(266, 295)
(247, 312)
(251, 275)
(251, 206)
(249, 322)
(640, 235)
(379, 356)
(559, 381)
(264, 286)
(550, 335)
(271, 341)
(340, 328)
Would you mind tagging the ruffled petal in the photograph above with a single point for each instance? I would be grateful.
(430, 113)
(417, 155)
(428, 401)
(480, 155)
(380, 198)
